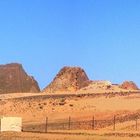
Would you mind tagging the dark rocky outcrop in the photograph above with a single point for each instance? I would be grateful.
(129, 85)
(14, 79)
(69, 79)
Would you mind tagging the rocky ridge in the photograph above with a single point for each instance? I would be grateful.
(14, 79)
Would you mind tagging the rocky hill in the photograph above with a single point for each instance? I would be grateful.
(69, 79)
(14, 79)
(129, 85)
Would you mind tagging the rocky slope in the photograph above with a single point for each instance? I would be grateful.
(69, 79)
(129, 85)
(14, 79)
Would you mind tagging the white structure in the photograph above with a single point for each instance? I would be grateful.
(10, 124)
(102, 82)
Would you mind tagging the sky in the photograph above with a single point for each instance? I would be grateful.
(101, 36)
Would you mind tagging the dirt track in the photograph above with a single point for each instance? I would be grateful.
(69, 136)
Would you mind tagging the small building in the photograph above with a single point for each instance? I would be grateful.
(10, 124)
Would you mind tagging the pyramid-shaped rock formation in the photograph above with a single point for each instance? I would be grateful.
(14, 79)
(129, 85)
(69, 79)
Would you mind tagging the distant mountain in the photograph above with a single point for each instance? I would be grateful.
(74, 79)
(69, 79)
(14, 79)
(129, 85)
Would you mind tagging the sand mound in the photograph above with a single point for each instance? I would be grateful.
(129, 85)
(14, 79)
(69, 79)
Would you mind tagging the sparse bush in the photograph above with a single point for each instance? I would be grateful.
(45, 103)
(41, 107)
(71, 105)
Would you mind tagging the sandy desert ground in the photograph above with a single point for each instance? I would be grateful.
(102, 106)
(35, 109)
(82, 136)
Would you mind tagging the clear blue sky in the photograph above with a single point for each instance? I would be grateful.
(101, 36)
